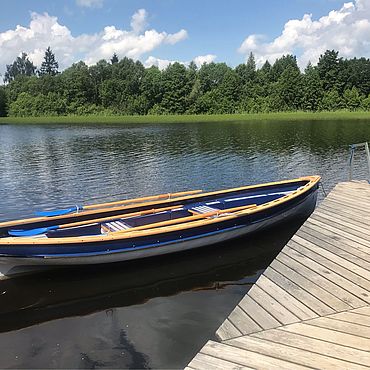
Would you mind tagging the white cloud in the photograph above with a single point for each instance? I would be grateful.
(90, 3)
(164, 63)
(45, 30)
(346, 29)
(138, 21)
(160, 63)
(201, 59)
(176, 37)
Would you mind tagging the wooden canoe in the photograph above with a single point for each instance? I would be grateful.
(153, 226)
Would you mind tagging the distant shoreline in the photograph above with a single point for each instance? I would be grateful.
(248, 117)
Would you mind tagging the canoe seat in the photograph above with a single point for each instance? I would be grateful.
(117, 225)
(203, 209)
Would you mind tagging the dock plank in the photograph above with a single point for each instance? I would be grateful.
(247, 358)
(344, 327)
(276, 310)
(337, 244)
(363, 311)
(231, 327)
(328, 292)
(355, 194)
(328, 335)
(338, 229)
(260, 315)
(350, 293)
(344, 202)
(243, 321)
(303, 296)
(330, 259)
(292, 354)
(335, 265)
(344, 214)
(319, 346)
(362, 236)
(354, 318)
(284, 298)
(206, 362)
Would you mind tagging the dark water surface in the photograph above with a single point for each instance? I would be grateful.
(155, 313)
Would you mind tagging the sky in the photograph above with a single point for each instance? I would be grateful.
(158, 32)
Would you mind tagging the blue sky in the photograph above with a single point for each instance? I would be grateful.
(218, 30)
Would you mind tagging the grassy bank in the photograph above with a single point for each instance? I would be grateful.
(292, 116)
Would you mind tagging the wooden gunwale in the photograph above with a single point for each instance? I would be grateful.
(312, 181)
(6, 224)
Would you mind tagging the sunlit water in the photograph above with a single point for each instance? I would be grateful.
(155, 313)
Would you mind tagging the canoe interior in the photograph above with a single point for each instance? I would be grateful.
(193, 206)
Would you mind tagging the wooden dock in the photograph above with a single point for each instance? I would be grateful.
(311, 306)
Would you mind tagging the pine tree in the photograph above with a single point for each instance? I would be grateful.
(114, 59)
(49, 66)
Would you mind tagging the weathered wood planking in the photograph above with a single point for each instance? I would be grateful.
(310, 308)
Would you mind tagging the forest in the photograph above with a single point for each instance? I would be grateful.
(126, 87)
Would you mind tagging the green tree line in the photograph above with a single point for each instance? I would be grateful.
(126, 87)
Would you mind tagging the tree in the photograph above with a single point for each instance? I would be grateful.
(352, 98)
(211, 75)
(78, 85)
(176, 89)
(287, 94)
(312, 89)
(358, 74)
(331, 100)
(365, 104)
(100, 72)
(114, 59)
(329, 69)
(151, 86)
(49, 66)
(247, 72)
(230, 91)
(281, 64)
(2, 102)
(22, 66)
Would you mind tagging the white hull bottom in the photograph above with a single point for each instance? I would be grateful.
(14, 266)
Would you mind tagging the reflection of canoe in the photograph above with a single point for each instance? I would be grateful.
(48, 296)
(152, 228)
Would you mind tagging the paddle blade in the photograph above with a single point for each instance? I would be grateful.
(32, 232)
(58, 212)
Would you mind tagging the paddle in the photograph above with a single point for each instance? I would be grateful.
(43, 230)
(32, 232)
(77, 208)
(59, 212)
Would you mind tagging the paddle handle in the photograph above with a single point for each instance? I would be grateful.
(154, 197)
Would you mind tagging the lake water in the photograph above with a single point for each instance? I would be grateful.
(155, 313)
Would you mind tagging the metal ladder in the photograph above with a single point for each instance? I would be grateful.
(352, 149)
